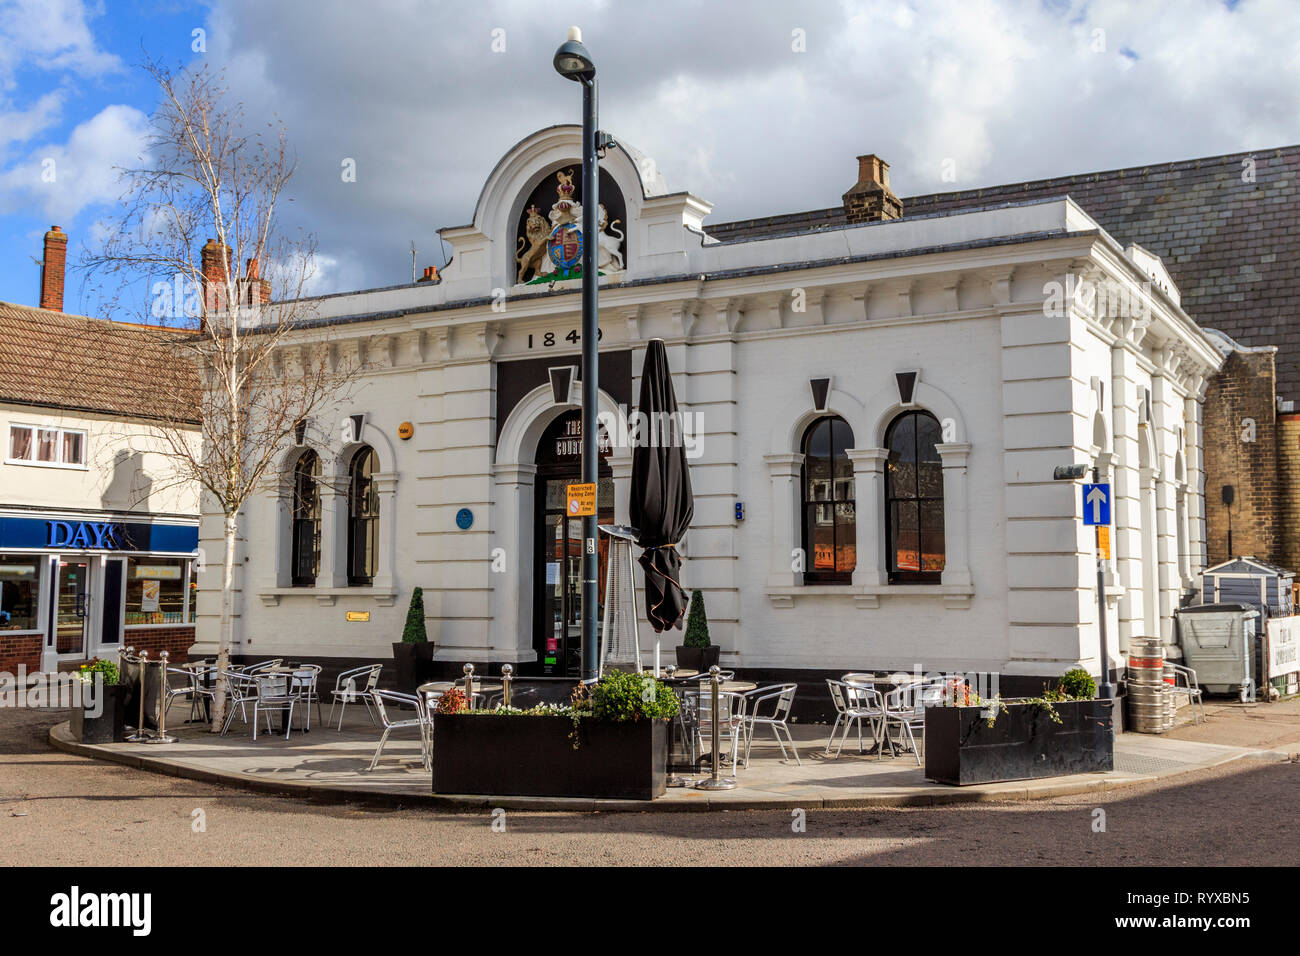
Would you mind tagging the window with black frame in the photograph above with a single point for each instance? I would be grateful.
(914, 499)
(363, 518)
(830, 536)
(306, 520)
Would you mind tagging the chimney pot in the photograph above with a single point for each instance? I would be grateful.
(53, 263)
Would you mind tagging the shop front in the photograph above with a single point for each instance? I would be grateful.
(75, 586)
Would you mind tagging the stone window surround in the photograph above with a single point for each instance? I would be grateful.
(332, 578)
(870, 580)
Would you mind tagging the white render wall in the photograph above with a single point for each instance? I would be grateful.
(125, 468)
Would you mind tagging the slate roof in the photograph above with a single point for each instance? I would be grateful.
(76, 363)
(1232, 246)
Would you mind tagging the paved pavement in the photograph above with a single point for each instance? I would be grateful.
(329, 764)
(62, 809)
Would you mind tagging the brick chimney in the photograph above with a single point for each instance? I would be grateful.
(871, 199)
(430, 274)
(52, 266)
(257, 290)
(216, 271)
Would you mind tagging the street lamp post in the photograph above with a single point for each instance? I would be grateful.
(573, 62)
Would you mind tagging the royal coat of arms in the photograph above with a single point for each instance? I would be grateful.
(550, 250)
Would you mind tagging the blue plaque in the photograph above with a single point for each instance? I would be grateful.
(464, 518)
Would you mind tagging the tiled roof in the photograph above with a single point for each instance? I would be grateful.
(1232, 246)
(74, 362)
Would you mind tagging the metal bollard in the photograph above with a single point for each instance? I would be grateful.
(469, 685)
(161, 737)
(141, 734)
(715, 781)
(507, 675)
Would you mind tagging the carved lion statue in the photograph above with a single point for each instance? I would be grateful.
(537, 230)
(609, 257)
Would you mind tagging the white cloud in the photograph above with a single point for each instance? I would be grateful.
(61, 180)
(50, 35)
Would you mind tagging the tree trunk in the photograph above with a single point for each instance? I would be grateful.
(227, 621)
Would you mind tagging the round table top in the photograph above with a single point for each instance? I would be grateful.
(735, 686)
(891, 677)
(446, 685)
(681, 673)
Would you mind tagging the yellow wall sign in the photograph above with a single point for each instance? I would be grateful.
(582, 500)
(1103, 541)
(405, 430)
(361, 616)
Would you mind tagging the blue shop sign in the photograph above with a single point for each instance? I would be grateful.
(70, 534)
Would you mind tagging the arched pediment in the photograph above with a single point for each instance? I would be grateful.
(484, 251)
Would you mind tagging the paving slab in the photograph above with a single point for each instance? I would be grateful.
(331, 765)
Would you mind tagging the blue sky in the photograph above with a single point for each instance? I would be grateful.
(759, 107)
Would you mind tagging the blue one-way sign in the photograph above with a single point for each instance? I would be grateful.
(1096, 504)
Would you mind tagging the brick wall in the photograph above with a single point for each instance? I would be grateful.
(1241, 450)
(176, 641)
(18, 649)
(1288, 472)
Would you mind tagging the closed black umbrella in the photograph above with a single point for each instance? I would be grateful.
(662, 504)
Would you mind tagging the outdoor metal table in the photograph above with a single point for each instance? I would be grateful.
(442, 686)
(294, 688)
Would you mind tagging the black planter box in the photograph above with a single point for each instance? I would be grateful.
(698, 658)
(1024, 742)
(414, 665)
(533, 756)
(109, 726)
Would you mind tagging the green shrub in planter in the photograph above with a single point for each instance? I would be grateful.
(697, 622)
(619, 696)
(1077, 684)
(414, 631)
(696, 651)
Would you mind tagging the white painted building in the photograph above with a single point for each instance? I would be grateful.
(97, 533)
(947, 363)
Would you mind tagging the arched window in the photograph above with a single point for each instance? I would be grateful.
(363, 518)
(830, 537)
(306, 520)
(914, 499)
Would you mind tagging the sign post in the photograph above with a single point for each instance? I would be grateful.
(1096, 512)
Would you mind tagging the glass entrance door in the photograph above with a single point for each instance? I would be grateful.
(557, 560)
(559, 583)
(71, 606)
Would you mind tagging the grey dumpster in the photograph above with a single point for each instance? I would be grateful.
(1218, 643)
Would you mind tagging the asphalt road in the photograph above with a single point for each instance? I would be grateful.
(57, 809)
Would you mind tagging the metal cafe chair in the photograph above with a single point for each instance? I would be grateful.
(854, 703)
(275, 692)
(182, 682)
(783, 695)
(905, 708)
(241, 690)
(355, 684)
(263, 665)
(420, 721)
(304, 684)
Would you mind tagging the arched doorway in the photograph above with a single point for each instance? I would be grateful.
(557, 549)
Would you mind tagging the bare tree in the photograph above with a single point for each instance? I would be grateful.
(245, 379)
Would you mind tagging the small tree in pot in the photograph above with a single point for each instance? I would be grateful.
(98, 716)
(413, 653)
(696, 652)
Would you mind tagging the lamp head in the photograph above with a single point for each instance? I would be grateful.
(572, 61)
